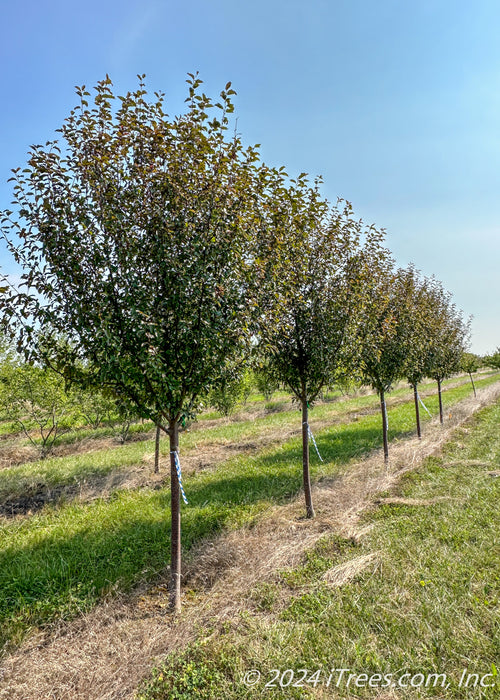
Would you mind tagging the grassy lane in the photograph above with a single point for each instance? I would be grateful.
(74, 470)
(60, 561)
(416, 616)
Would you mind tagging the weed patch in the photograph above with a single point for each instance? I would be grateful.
(192, 675)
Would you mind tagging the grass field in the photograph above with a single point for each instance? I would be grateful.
(57, 562)
(413, 604)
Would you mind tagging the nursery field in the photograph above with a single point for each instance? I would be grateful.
(406, 605)
(86, 530)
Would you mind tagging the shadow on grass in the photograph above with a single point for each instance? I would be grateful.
(60, 574)
(80, 551)
(29, 496)
(60, 562)
(20, 495)
(29, 492)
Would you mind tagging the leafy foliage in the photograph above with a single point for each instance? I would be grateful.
(470, 362)
(135, 237)
(94, 406)
(157, 252)
(448, 334)
(318, 261)
(265, 383)
(493, 360)
(233, 388)
(383, 352)
(127, 414)
(312, 306)
(183, 676)
(389, 326)
(134, 243)
(415, 315)
(35, 398)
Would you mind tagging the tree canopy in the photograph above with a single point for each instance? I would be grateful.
(135, 238)
(134, 243)
(158, 254)
(383, 352)
(448, 336)
(310, 310)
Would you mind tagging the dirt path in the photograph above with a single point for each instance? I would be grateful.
(106, 653)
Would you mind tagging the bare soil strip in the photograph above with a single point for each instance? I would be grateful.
(105, 654)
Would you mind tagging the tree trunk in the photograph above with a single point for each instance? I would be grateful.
(306, 476)
(157, 449)
(384, 426)
(175, 501)
(417, 410)
(440, 402)
(472, 382)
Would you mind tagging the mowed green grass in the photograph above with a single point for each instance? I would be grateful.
(72, 471)
(59, 562)
(422, 620)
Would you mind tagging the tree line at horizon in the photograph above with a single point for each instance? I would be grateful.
(161, 258)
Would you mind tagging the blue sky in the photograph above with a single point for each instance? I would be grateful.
(395, 103)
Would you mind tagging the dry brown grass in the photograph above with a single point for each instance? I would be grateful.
(104, 655)
(15, 453)
(398, 501)
(343, 573)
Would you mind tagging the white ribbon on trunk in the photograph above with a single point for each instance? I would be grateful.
(423, 404)
(311, 437)
(179, 474)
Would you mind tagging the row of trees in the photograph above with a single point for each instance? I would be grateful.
(159, 254)
(492, 360)
(40, 404)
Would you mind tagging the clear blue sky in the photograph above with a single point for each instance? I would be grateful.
(395, 103)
